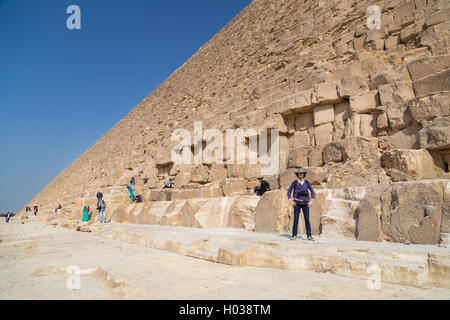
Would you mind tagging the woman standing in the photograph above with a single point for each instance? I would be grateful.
(301, 201)
(85, 214)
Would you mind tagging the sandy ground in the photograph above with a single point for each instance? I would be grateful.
(36, 261)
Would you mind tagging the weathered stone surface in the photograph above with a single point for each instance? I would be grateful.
(437, 135)
(304, 121)
(200, 174)
(315, 158)
(234, 186)
(367, 125)
(398, 118)
(433, 84)
(323, 114)
(273, 213)
(332, 153)
(368, 225)
(363, 103)
(298, 158)
(394, 94)
(218, 172)
(301, 139)
(413, 211)
(324, 133)
(407, 138)
(242, 213)
(427, 66)
(406, 164)
(424, 110)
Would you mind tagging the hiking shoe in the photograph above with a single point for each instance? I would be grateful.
(293, 237)
(311, 238)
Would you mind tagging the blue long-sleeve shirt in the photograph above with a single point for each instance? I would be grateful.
(299, 188)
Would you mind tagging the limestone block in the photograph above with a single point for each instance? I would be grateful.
(426, 109)
(435, 38)
(173, 214)
(407, 138)
(407, 164)
(363, 103)
(367, 125)
(273, 213)
(338, 219)
(286, 177)
(200, 173)
(324, 133)
(252, 171)
(184, 176)
(315, 175)
(182, 194)
(323, 114)
(404, 13)
(368, 224)
(301, 100)
(213, 212)
(304, 121)
(396, 93)
(436, 136)
(411, 32)
(342, 113)
(382, 121)
(242, 213)
(234, 186)
(353, 147)
(211, 190)
(428, 66)
(352, 85)
(361, 171)
(412, 211)
(235, 170)
(301, 140)
(332, 153)
(159, 195)
(376, 34)
(398, 118)
(433, 84)
(326, 93)
(356, 125)
(315, 158)
(445, 227)
(377, 45)
(217, 172)
(298, 157)
(391, 42)
(275, 121)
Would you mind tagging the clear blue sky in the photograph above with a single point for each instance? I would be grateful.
(61, 90)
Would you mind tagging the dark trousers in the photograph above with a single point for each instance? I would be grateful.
(297, 216)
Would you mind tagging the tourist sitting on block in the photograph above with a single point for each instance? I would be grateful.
(263, 187)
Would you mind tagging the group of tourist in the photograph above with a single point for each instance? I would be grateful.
(298, 195)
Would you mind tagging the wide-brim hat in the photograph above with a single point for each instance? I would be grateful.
(300, 170)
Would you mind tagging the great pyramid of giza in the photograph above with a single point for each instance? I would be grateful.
(364, 108)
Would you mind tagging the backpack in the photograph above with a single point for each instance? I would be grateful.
(307, 183)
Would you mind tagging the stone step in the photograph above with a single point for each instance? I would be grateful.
(412, 265)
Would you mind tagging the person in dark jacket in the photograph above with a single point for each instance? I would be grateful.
(99, 199)
(262, 188)
(299, 197)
